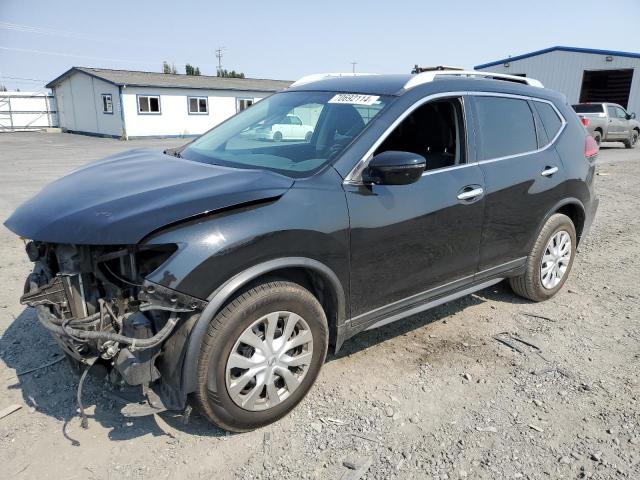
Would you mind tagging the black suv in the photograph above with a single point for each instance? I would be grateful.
(220, 272)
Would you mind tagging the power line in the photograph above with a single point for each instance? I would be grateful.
(59, 54)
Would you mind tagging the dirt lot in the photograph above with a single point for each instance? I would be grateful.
(435, 396)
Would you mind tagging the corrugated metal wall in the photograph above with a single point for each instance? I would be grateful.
(562, 71)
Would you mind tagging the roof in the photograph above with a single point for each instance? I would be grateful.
(593, 51)
(388, 84)
(168, 80)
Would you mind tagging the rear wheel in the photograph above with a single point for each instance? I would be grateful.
(307, 137)
(261, 356)
(597, 136)
(549, 262)
(632, 140)
(277, 137)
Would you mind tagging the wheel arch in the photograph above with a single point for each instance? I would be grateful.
(572, 208)
(323, 283)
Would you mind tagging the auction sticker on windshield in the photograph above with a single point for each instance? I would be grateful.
(354, 99)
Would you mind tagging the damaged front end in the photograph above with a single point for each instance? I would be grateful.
(100, 309)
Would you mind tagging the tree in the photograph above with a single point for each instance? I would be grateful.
(229, 74)
(165, 67)
(191, 70)
(173, 69)
(3, 88)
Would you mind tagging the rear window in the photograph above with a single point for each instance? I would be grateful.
(589, 108)
(506, 127)
(550, 119)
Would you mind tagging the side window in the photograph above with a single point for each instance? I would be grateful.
(552, 122)
(107, 103)
(243, 103)
(295, 121)
(621, 113)
(611, 111)
(506, 127)
(435, 131)
(198, 105)
(148, 104)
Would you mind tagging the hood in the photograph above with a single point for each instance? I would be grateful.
(121, 199)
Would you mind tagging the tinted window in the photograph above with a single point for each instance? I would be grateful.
(506, 127)
(611, 111)
(550, 119)
(434, 130)
(589, 108)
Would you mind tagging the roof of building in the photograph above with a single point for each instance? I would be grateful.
(168, 80)
(612, 53)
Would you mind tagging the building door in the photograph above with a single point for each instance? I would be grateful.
(606, 86)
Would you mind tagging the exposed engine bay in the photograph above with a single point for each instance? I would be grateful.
(100, 309)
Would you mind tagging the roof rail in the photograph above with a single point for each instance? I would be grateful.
(319, 76)
(430, 76)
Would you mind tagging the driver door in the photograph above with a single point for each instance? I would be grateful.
(409, 242)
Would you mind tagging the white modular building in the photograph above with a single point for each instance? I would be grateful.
(582, 74)
(129, 104)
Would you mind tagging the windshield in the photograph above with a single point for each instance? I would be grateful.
(294, 133)
(589, 108)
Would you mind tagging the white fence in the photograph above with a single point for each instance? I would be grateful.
(27, 111)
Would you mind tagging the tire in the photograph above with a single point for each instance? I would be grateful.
(632, 140)
(277, 137)
(597, 136)
(530, 284)
(307, 137)
(286, 303)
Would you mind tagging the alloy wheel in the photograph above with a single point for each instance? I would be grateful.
(555, 259)
(269, 361)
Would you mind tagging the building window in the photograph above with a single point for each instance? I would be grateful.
(149, 104)
(198, 105)
(243, 103)
(107, 103)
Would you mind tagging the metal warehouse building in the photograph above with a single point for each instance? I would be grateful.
(583, 75)
(128, 104)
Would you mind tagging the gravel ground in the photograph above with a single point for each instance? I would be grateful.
(434, 396)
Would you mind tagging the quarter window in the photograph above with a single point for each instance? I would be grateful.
(148, 104)
(552, 122)
(506, 127)
(198, 105)
(434, 130)
(107, 103)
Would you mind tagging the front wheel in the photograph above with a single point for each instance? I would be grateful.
(549, 262)
(632, 140)
(261, 355)
(277, 137)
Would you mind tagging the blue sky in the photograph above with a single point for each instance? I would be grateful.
(41, 39)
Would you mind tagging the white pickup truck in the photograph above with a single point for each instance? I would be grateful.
(609, 122)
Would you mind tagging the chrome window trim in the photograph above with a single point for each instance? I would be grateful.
(355, 175)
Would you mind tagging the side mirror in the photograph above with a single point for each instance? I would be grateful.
(632, 116)
(395, 168)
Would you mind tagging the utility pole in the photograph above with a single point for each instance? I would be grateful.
(353, 66)
(219, 57)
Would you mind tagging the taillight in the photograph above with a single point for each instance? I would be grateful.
(591, 147)
(585, 121)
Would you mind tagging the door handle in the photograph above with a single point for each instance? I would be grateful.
(548, 171)
(469, 194)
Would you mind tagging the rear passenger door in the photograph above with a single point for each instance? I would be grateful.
(524, 177)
